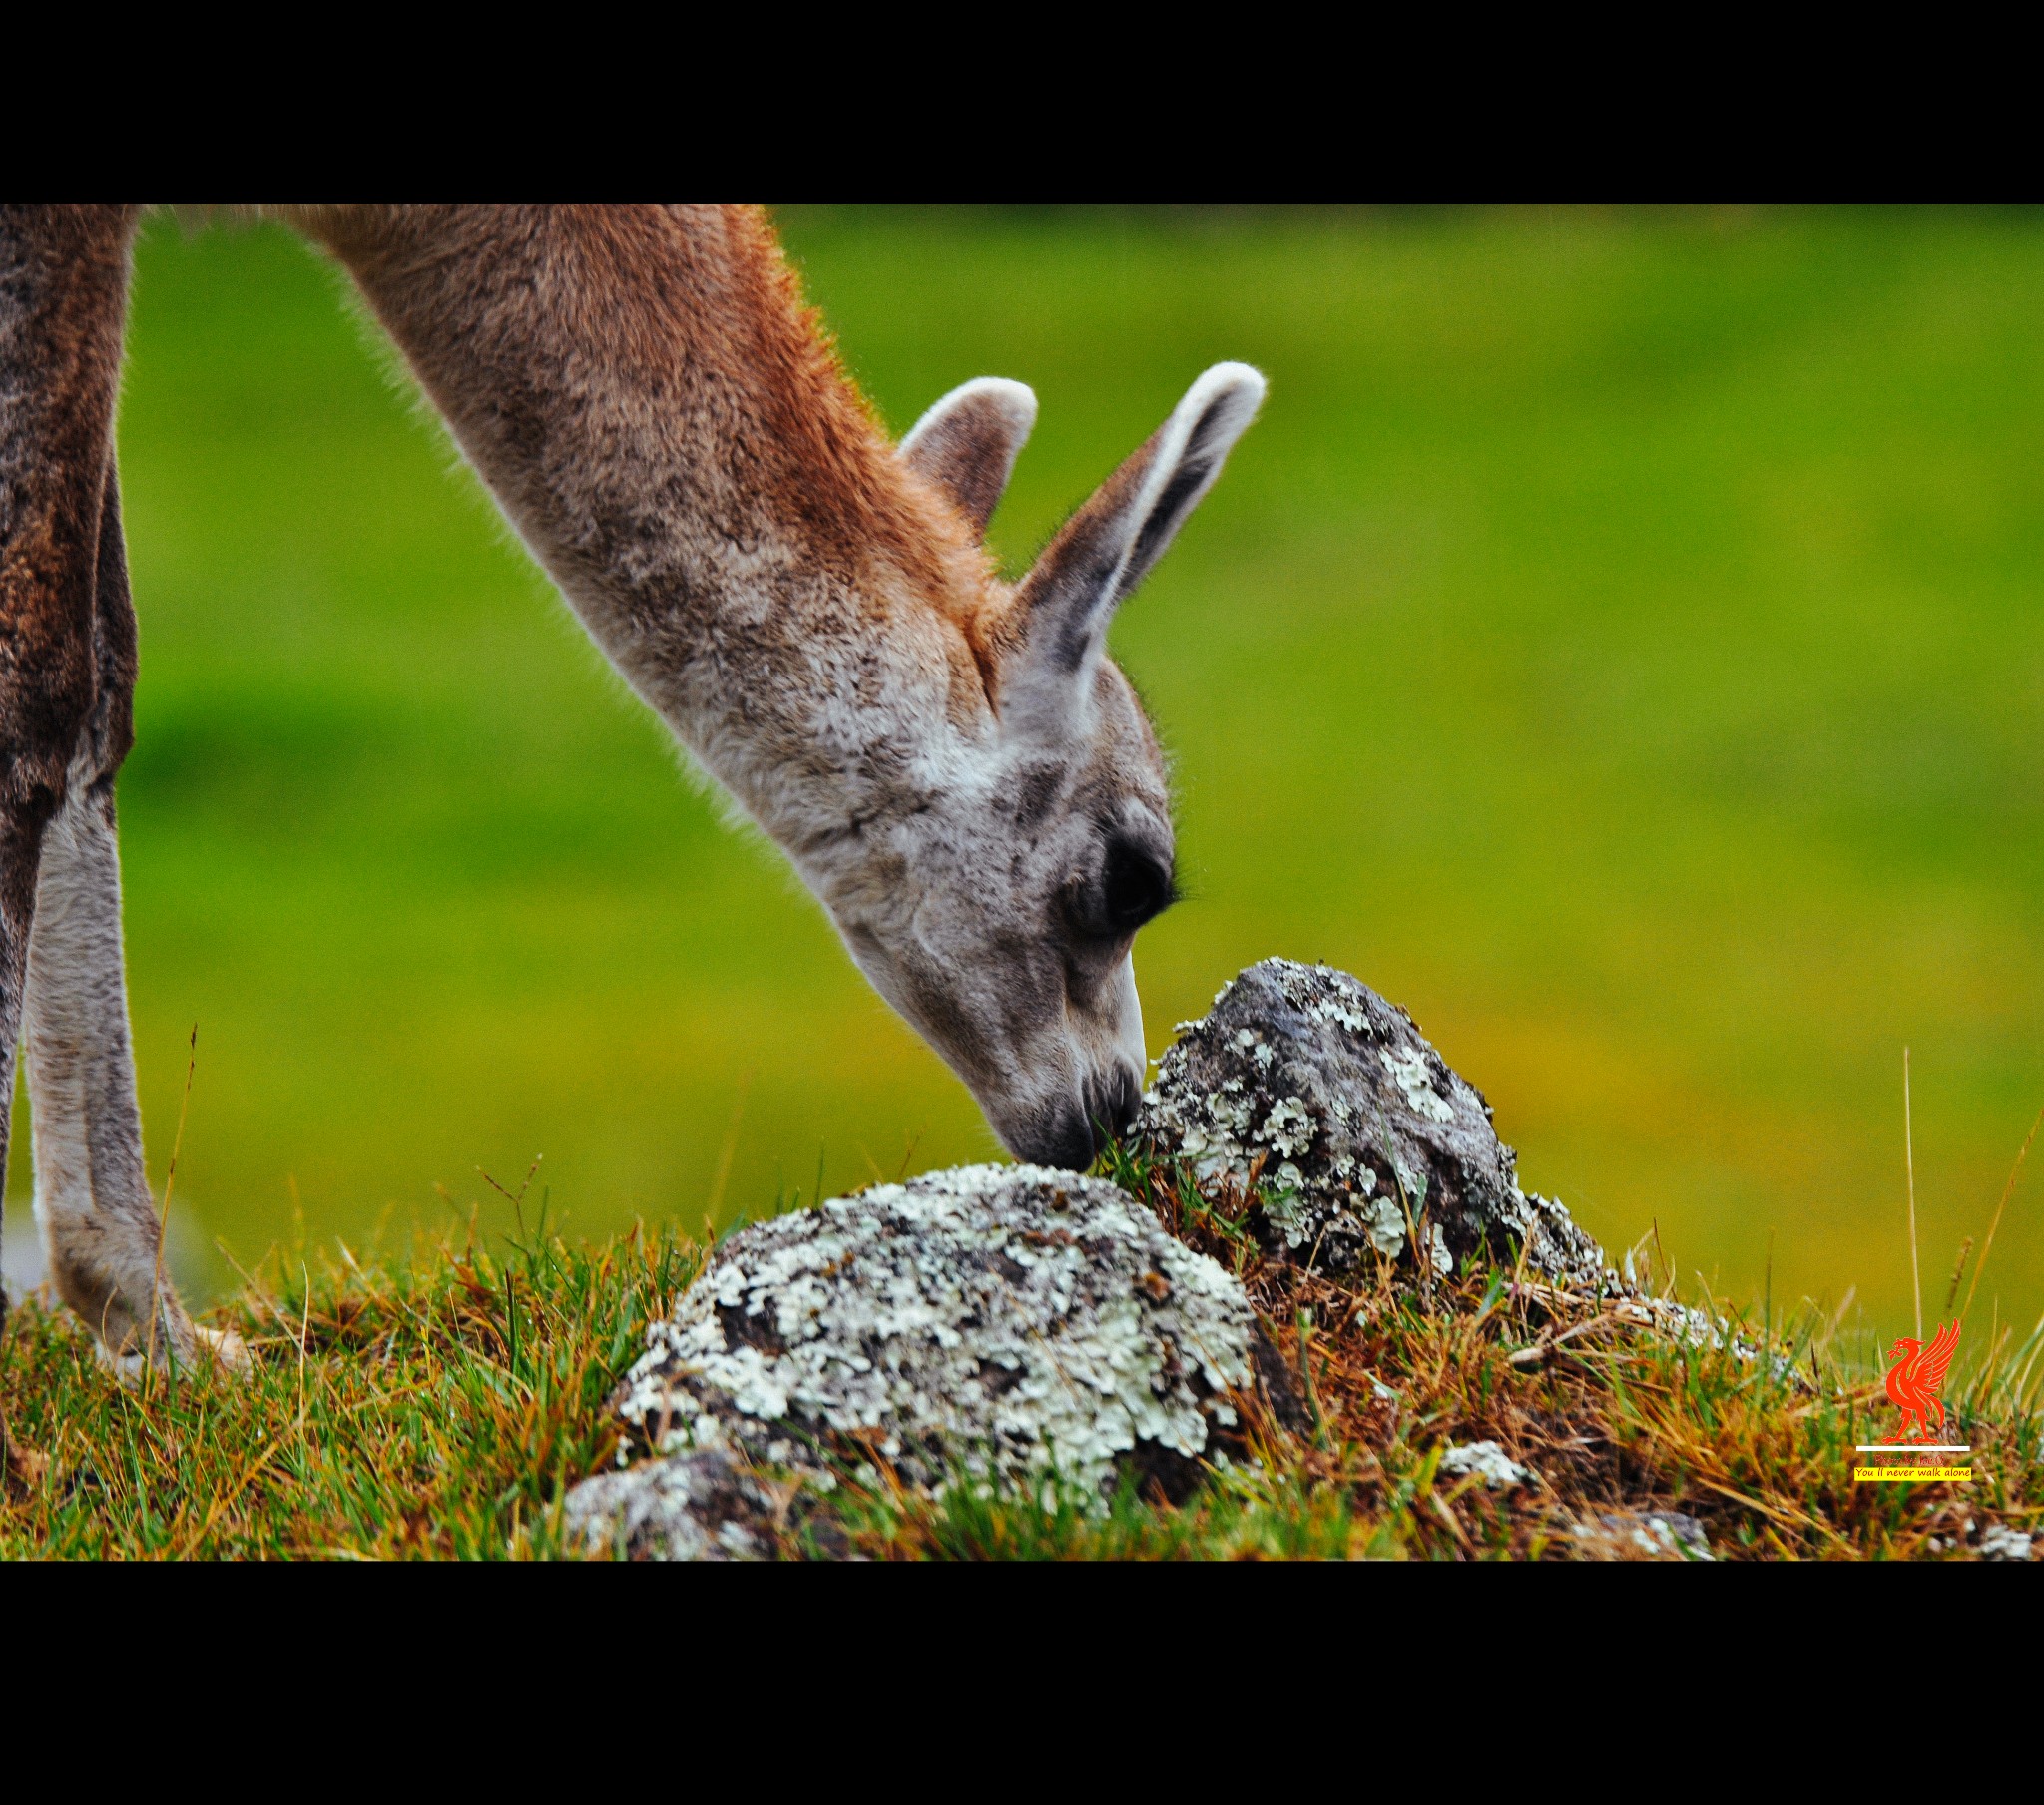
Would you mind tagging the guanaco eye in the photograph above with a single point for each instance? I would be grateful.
(1137, 887)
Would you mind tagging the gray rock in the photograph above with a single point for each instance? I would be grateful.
(1489, 1463)
(1642, 1535)
(2000, 1542)
(992, 1323)
(1361, 1138)
(690, 1506)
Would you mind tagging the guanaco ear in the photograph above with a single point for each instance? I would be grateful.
(968, 442)
(1059, 628)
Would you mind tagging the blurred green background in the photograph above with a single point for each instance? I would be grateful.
(1619, 641)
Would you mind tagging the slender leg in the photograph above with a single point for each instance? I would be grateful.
(93, 1205)
(67, 675)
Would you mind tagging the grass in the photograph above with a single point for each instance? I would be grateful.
(431, 1407)
(1619, 641)
(439, 1404)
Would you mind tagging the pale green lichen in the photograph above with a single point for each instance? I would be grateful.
(1413, 1077)
(1438, 1251)
(1288, 1128)
(1388, 1227)
(1335, 1009)
(1285, 1208)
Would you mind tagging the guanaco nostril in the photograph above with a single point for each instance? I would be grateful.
(1111, 1105)
(1070, 1136)
(1128, 1094)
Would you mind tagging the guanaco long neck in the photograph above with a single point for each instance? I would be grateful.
(672, 438)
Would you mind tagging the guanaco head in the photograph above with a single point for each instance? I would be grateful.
(1017, 883)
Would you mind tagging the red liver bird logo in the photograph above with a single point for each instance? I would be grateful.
(1914, 1379)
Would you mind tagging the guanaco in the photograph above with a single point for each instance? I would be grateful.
(951, 762)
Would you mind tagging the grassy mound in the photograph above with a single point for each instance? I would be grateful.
(440, 1404)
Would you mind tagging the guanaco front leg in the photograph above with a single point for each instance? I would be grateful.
(99, 1225)
(98, 1222)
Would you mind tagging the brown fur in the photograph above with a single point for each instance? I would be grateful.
(62, 295)
(659, 297)
(575, 349)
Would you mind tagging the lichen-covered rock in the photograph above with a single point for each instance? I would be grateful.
(1489, 1463)
(1361, 1138)
(2000, 1542)
(700, 1506)
(1642, 1535)
(988, 1322)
